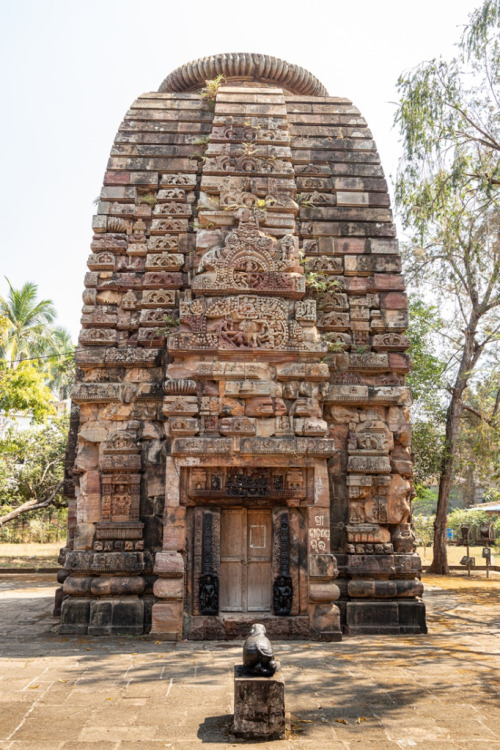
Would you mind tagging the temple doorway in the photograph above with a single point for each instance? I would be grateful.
(245, 560)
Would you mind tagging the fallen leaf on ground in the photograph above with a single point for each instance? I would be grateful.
(341, 721)
(360, 719)
(34, 687)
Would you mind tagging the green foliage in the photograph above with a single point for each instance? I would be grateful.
(427, 388)
(334, 344)
(424, 529)
(202, 140)
(426, 378)
(474, 518)
(58, 362)
(428, 443)
(30, 341)
(447, 186)
(261, 204)
(448, 198)
(479, 34)
(320, 284)
(478, 447)
(28, 321)
(425, 501)
(264, 203)
(448, 117)
(492, 495)
(171, 323)
(149, 199)
(304, 200)
(38, 527)
(209, 93)
(32, 465)
(23, 388)
(424, 524)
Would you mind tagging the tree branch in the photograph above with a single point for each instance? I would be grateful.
(29, 506)
(481, 417)
(490, 141)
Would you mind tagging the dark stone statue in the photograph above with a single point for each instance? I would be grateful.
(209, 594)
(282, 595)
(258, 657)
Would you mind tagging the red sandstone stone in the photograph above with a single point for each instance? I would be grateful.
(117, 178)
(394, 301)
(167, 619)
(249, 339)
(169, 564)
(399, 362)
(388, 282)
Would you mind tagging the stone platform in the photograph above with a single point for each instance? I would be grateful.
(438, 691)
(259, 705)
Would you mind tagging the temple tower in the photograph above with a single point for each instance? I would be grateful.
(240, 446)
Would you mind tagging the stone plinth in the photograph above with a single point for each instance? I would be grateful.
(259, 705)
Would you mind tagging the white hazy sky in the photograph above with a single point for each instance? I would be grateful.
(71, 69)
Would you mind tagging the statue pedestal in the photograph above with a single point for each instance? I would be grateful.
(259, 705)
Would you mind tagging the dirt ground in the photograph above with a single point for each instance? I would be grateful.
(455, 554)
(29, 555)
(439, 691)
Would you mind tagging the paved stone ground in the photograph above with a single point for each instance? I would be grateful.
(439, 691)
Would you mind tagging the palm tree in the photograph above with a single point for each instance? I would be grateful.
(28, 322)
(59, 357)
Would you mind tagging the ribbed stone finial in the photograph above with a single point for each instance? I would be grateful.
(243, 66)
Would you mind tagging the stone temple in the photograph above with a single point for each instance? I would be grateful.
(240, 445)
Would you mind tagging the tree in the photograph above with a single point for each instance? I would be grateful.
(35, 355)
(59, 361)
(32, 469)
(447, 193)
(423, 527)
(427, 388)
(28, 322)
(478, 448)
(24, 389)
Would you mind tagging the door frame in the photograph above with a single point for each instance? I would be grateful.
(246, 560)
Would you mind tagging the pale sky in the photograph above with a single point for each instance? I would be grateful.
(71, 69)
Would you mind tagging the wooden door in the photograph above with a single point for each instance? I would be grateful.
(259, 560)
(245, 560)
(232, 559)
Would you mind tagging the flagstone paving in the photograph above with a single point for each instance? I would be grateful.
(439, 691)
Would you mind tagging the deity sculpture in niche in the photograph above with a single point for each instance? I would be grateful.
(283, 586)
(208, 593)
(251, 260)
